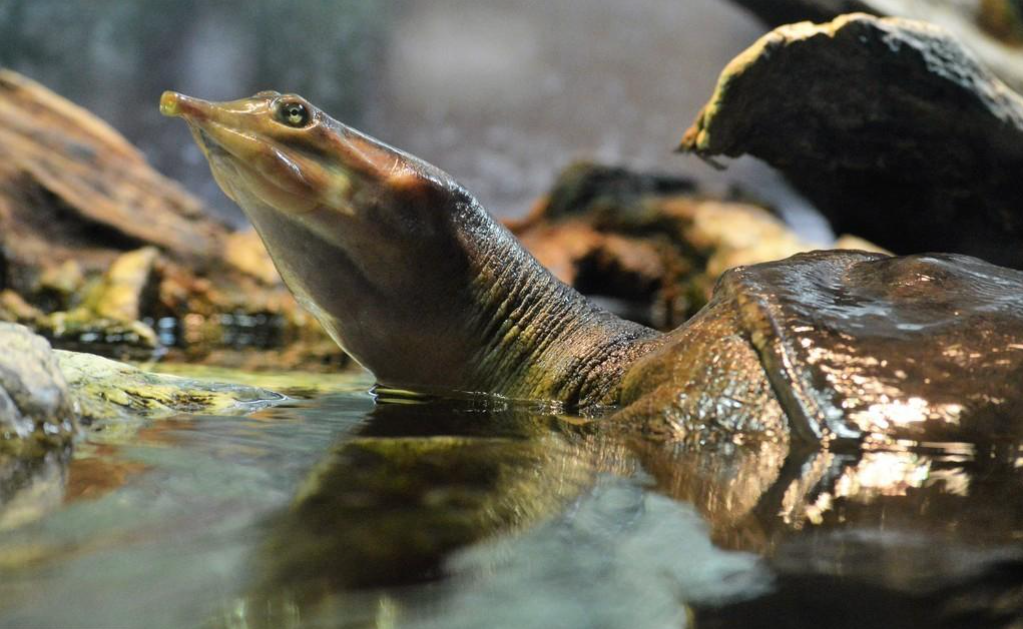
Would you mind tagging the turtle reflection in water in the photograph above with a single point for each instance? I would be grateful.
(536, 521)
(414, 279)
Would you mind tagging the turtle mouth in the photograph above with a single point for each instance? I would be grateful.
(249, 161)
(208, 143)
(238, 173)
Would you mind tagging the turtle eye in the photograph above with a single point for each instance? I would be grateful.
(293, 114)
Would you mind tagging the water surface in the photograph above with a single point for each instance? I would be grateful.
(341, 510)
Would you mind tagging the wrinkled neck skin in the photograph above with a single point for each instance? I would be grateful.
(479, 314)
(537, 337)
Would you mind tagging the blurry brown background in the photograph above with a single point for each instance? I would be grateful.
(500, 94)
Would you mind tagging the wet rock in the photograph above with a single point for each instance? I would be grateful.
(646, 245)
(35, 406)
(104, 389)
(888, 126)
(991, 29)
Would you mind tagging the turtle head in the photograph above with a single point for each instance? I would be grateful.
(368, 238)
(279, 150)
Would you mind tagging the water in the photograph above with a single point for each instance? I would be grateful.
(341, 510)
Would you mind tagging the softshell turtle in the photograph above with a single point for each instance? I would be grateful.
(414, 279)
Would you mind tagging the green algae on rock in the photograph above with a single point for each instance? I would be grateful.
(104, 389)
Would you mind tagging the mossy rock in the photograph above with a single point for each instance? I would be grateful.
(106, 389)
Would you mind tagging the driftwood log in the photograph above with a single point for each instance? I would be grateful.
(72, 188)
(98, 251)
(889, 126)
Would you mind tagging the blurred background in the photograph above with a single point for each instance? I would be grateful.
(501, 95)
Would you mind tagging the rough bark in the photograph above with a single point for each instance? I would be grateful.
(889, 126)
(93, 242)
(70, 184)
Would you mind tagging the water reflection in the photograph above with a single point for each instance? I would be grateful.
(576, 535)
(415, 482)
(620, 557)
(31, 487)
(556, 526)
(344, 513)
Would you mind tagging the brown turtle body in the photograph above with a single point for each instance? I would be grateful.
(837, 344)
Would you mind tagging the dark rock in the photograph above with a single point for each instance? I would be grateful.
(991, 29)
(889, 126)
(587, 188)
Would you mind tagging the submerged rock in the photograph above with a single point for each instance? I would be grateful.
(889, 126)
(105, 389)
(35, 405)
